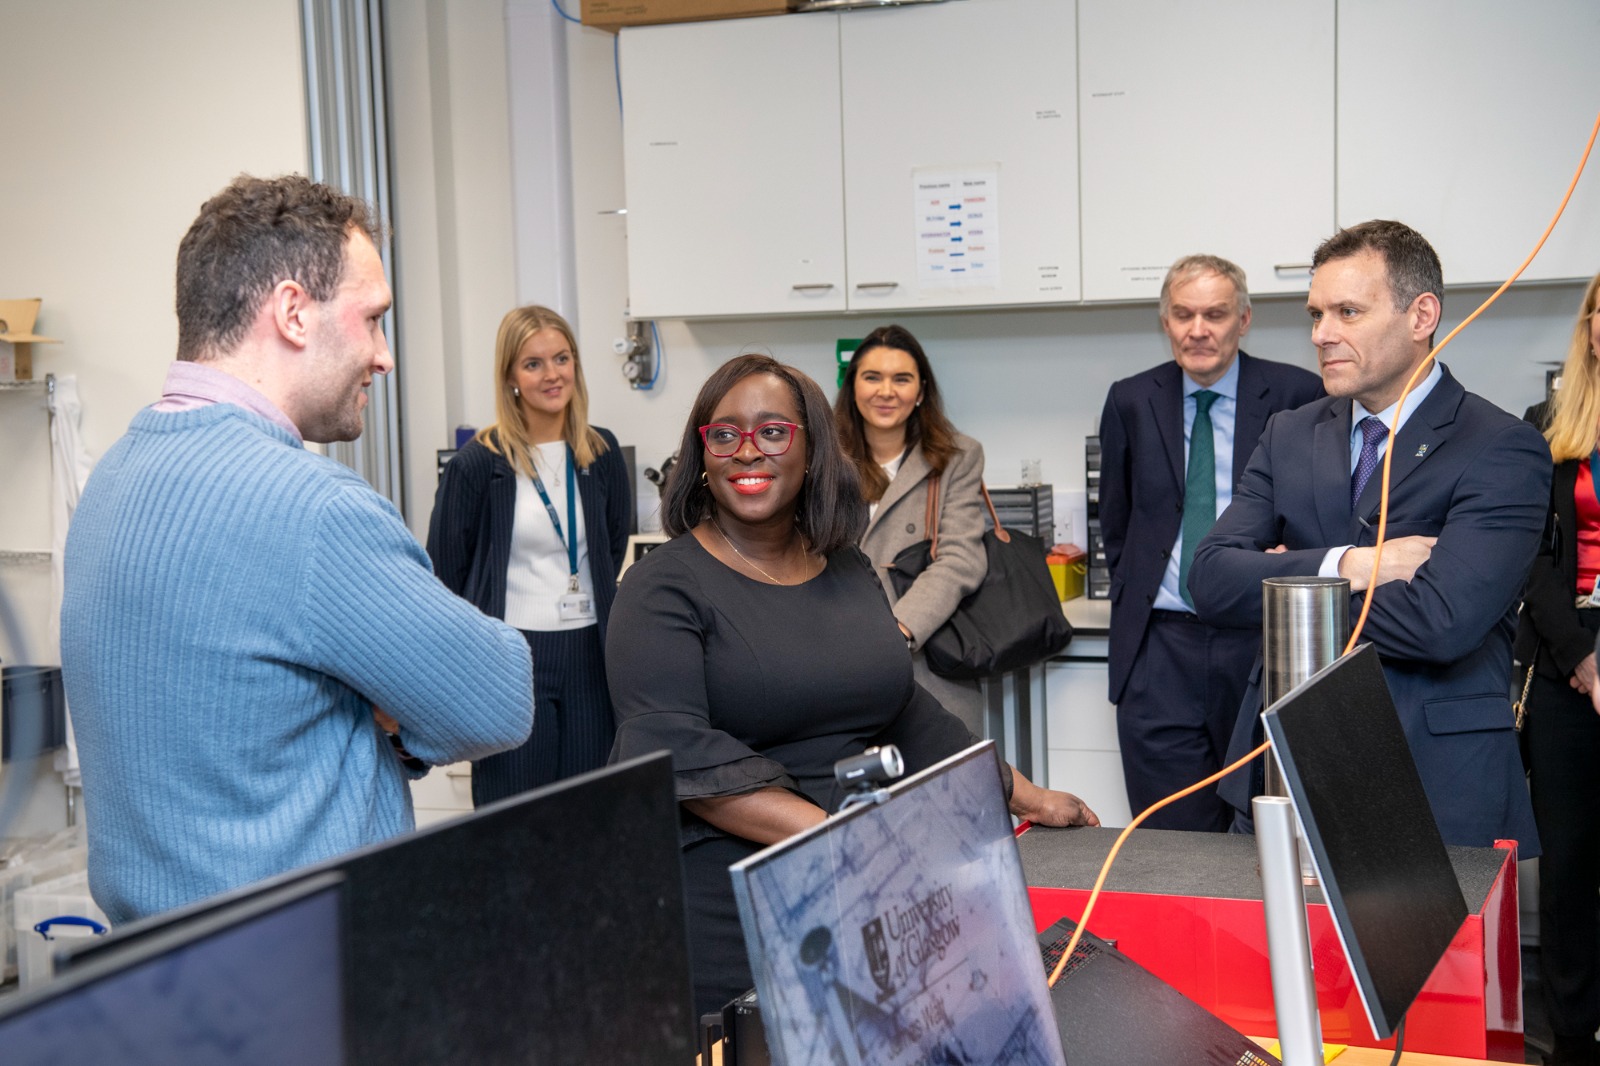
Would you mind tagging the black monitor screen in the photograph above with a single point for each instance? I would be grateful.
(546, 928)
(1395, 899)
(253, 984)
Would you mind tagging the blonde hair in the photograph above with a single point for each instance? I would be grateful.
(509, 436)
(1575, 411)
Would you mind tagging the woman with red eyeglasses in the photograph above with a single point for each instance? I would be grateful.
(758, 648)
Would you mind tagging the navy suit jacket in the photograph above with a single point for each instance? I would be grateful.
(469, 535)
(1463, 471)
(1142, 474)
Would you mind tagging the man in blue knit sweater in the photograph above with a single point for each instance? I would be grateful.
(245, 620)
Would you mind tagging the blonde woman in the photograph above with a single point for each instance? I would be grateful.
(1561, 732)
(529, 524)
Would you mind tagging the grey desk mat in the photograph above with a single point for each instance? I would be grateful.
(1165, 862)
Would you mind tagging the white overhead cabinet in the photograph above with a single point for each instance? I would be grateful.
(1205, 128)
(1465, 119)
(938, 144)
(960, 154)
(732, 146)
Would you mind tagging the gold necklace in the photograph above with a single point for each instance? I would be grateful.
(743, 558)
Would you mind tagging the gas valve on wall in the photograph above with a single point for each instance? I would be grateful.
(637, 355)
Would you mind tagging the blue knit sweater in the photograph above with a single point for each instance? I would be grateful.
(234, 606)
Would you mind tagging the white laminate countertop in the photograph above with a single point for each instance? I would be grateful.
(1088, 616)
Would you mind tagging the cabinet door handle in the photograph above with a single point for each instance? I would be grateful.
(455, 772)
(821, 286)
(877, 284)
(1284, 268)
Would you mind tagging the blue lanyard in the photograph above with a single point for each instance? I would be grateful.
(572, 515)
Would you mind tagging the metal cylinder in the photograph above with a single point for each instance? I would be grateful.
(1305, 622)
(1294, 990)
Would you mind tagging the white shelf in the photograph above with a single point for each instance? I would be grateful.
(25, 558)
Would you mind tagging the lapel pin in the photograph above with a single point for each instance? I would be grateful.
(1422, 449)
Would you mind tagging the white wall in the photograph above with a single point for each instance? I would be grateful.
(455, 274)
(124, 118)
(541, 155)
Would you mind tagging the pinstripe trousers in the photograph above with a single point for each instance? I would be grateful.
(573, 724)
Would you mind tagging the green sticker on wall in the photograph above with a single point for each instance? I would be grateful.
(843, 351)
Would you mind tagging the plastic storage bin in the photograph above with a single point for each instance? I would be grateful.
(34, 691)
(64, 909)
(28, 861)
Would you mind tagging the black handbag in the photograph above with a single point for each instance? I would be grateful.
(1010, 622)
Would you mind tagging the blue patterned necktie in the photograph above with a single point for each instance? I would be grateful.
(1199, 487)
(1373, 433)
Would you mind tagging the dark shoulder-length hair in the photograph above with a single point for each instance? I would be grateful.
(830, 512)
(927, 425)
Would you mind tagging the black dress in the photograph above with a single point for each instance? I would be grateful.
(752, 685)
(1561, 746)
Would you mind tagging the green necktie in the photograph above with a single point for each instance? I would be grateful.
(1199, 487)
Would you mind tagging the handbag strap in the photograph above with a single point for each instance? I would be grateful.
(1519, 709)
(930, 519)
(999, 532)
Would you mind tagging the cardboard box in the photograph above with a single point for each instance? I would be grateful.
(614, 14)
(17, 338)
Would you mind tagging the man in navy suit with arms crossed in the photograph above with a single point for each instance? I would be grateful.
(1177, 682)
(1470, 485)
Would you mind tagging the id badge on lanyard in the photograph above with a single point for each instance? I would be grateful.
(574, 605)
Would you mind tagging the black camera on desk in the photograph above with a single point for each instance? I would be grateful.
(738, 1029)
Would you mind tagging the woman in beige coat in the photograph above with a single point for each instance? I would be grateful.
(893, 425)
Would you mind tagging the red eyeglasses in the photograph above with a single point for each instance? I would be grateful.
(770, 438)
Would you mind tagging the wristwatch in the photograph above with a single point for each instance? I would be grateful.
(408, 760)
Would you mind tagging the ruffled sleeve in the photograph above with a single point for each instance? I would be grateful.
(926, 733)
(655, 665)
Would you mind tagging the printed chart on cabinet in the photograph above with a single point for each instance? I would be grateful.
(957, 226)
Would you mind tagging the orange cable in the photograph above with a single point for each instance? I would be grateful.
(1377, 557)
(1105, 870)
(1388, 455)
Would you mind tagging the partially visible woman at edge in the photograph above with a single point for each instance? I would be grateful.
(530, 523)
(1561, 732)
(760, 648)
(892, 425)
